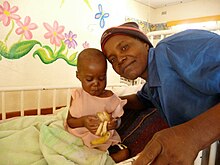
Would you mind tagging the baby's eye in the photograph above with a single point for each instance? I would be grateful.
(102, 78)
(89, 79)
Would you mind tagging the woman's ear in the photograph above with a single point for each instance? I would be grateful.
(146, 45)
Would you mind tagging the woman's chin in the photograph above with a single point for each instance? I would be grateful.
(130, 76)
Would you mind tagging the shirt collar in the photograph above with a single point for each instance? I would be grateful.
(153, 77)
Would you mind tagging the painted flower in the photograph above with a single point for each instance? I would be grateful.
(85, 45)
(26, 27)
(70, 41)
(7, 13)
(54, 33)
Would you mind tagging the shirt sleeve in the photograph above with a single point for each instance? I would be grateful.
(196, 61)
(75, 110)
(143, 96)
(119, 111)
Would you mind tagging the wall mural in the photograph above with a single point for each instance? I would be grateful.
(146, 26)
(60, 41)
(101, 15)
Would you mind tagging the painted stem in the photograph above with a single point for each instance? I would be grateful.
(6, 38)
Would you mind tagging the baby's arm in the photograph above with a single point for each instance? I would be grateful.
(90, 122)
(115, 116)
(114, 123)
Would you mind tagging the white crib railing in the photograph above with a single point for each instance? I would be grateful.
(38, 93)
(205, 157)
(208, 155)
(22, 90)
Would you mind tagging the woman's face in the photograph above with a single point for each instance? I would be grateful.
(128, 56)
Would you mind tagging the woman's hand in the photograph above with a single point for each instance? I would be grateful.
(91, 122)
(170, 146)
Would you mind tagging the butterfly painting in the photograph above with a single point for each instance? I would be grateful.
(101, 15)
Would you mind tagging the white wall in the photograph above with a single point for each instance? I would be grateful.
(76, 16)
(193, 9)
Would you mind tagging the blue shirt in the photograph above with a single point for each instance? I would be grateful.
(183, 75)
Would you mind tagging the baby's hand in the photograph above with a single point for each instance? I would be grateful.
(91, 122)
(112, 124)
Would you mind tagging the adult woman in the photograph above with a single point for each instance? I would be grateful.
(183, 82)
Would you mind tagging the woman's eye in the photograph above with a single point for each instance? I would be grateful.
(112, 60)
(125, 47)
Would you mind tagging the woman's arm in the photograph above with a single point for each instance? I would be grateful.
(134, 103)
(181, 144)
(206, 127)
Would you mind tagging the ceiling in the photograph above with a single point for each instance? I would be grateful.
(161, 3)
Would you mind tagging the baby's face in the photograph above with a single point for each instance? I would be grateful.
(93, 78)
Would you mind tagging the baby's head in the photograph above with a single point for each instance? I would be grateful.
(91, 71)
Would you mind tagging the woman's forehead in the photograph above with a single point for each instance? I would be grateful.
(120, 37)
(116, 41)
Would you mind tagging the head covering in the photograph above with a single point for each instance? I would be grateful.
(128, 28)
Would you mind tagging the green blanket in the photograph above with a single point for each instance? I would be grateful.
(42, 140)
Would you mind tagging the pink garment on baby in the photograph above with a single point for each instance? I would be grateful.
(85, 104)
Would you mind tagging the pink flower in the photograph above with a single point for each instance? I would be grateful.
(26, 27)
(54, 33)
(7, 13)
(85, 45)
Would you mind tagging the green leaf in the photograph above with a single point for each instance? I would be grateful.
(60, 52)
(50, 51)
(73, 63)
(20, 49)
(3, 49)
(45, 54)
(73, 56)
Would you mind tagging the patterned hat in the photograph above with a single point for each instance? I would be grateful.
(129, 28)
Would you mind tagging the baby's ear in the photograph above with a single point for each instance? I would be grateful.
(77, 74)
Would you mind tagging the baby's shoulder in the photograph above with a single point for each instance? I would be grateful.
(107, 93)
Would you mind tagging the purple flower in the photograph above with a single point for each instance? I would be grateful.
(70, 41)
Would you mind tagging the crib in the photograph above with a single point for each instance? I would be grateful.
(58, 98)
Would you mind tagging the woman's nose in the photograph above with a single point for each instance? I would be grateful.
(121, 60)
